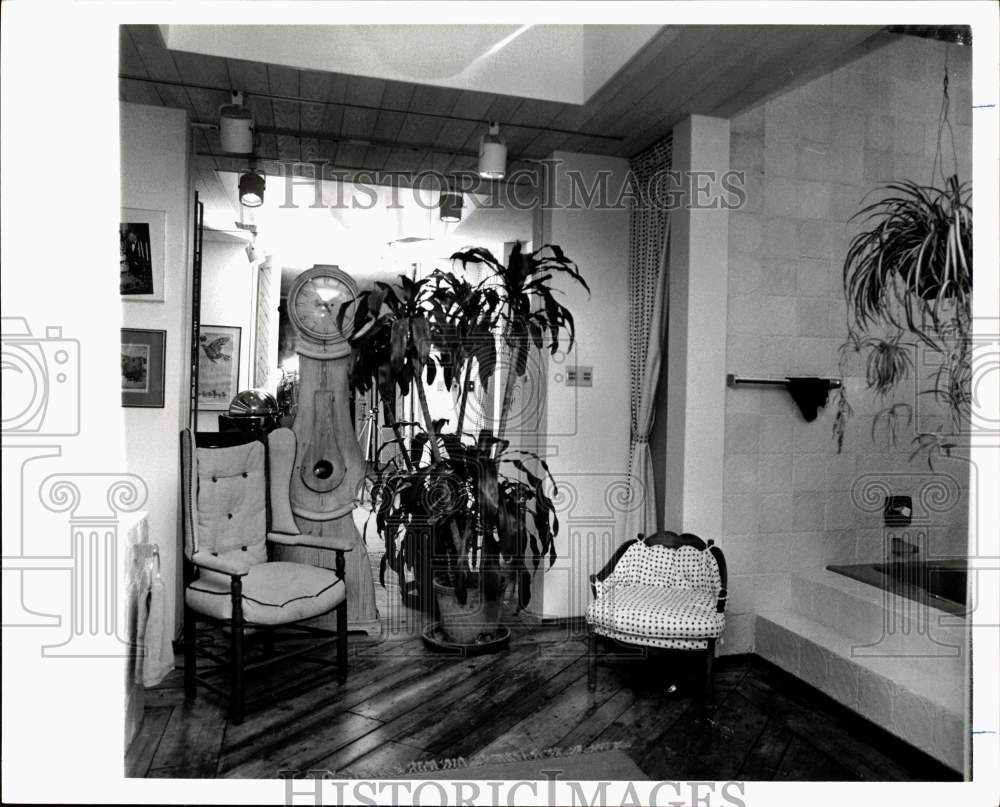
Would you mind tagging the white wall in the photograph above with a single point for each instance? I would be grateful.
(229, 297)
(811, 155)
(155, 176)
(586, 429)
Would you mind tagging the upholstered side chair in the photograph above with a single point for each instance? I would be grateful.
(235, 504)
(665, 592)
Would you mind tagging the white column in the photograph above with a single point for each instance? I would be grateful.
(694, 409)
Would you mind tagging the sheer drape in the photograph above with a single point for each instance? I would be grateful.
(648, 271)
(641, 517)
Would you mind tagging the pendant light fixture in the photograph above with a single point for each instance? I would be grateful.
(236, 126)
(252, 188)
(492, 154)
(450, 204)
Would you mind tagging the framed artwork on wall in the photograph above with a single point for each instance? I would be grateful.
(218, 365)
(141, 238)
(143, 354)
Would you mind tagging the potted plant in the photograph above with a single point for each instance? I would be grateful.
(466, 511)
(908, 284)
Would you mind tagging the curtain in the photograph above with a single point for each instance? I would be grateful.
(649, 225)
(641, 516)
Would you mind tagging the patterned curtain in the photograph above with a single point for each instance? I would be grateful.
(647, 283)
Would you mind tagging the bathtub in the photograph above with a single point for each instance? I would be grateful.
(939, 583)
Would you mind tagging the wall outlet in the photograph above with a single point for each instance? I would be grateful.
(580, 376)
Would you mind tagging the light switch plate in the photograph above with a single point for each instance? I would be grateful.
(580, 376)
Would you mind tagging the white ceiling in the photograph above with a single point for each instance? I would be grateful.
(563, 63)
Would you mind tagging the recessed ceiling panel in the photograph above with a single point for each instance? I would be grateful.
(564, 63)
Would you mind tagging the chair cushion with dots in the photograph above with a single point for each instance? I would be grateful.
(658, 612)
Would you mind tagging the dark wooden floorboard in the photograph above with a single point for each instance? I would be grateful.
(803, 762)
(453, 727)
(586, 732)
(140, 753)
(546, 726)
(732, 731)
(403, 703)
(762, 762)
(191, 742)
(428, 713)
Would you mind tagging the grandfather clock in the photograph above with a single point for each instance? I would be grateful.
(329, 466)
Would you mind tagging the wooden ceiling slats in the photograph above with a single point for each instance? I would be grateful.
(138, 92)
(732, 81)
(682, 50)
(285, 81)
(311, 149)
(681, 70)
(197, 68)
(455, 134)
(530, 111)
(433, 100)
(146, 37)
(128, 54)
(472, 104)
(682, 87)
(500, 109)
(248, 77)
(350, 155)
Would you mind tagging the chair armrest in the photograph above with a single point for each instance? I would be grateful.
(215, 563)
(312, 541)
(600, 586)
(720, 605)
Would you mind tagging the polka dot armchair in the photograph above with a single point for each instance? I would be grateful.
(666, 592)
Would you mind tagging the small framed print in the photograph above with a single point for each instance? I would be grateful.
(141, 236)
(218, 366)
(143, 355)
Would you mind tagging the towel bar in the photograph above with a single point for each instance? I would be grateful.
(733, 380)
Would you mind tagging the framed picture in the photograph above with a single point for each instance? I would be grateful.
(218, 365)
(141, 236)
(143, 354)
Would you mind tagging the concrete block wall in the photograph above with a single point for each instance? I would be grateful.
(810, 156)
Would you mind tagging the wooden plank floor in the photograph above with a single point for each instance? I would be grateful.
(403, 703)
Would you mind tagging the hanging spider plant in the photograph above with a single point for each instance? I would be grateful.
(908, 286)
(909, 275)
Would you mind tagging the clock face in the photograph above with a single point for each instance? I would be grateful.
(314, 304)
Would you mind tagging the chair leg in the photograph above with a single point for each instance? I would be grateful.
(709, 672)
(342, 642)
(592, 661)
(236, 654)
(190, 657)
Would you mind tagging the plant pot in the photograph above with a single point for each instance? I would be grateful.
(473, 622)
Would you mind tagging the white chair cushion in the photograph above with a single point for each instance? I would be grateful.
(232, 501)
(658, 612)
(273, 593)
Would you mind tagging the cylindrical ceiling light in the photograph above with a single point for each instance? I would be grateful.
(492, 154)
(451, 204)
(252, 189)
(236, 126)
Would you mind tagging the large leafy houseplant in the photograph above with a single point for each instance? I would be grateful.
(467, 508)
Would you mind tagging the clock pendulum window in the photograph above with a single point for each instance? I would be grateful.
(328, 479)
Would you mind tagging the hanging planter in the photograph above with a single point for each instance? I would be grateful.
(908, 287)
